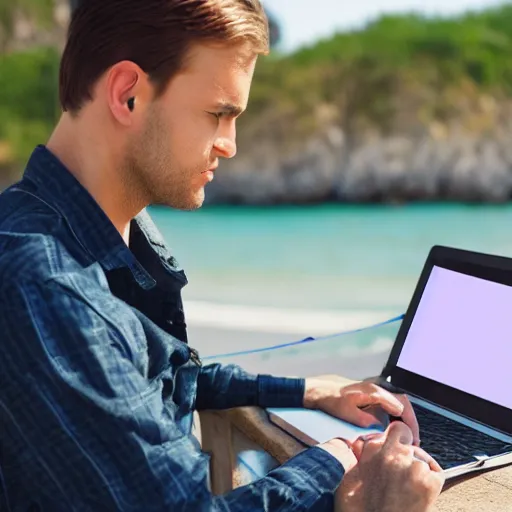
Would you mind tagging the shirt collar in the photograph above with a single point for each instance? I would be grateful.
(90, 225)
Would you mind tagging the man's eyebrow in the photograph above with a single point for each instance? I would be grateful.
(229, 108)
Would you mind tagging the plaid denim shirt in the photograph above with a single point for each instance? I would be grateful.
(97, 381)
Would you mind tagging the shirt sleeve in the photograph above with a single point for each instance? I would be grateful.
(226, 386)
(89, 431)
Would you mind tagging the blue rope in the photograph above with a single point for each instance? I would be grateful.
(302, 342)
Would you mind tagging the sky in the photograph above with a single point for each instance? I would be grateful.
(304, 21)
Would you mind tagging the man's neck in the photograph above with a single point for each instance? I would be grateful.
(92, 163)
(126, 234)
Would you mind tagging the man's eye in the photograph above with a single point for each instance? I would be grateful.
(217, 115)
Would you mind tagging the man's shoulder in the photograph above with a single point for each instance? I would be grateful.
(35, 241)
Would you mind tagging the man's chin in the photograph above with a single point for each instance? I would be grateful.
(197, 201)
(193, 203)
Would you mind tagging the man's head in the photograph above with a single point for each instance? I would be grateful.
(165, 80)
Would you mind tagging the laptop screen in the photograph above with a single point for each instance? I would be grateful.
(461, 336)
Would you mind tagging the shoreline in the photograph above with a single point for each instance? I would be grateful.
(290, 323)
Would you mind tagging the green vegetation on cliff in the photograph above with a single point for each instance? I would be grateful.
(401, 74)
(28, 105)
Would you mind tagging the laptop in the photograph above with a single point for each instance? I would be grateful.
(453, 358)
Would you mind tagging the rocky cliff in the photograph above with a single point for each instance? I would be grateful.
(399, 168)
(408, 108)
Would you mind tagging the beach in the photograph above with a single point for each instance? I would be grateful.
(261, 277)
(281, 348)
(354, 366)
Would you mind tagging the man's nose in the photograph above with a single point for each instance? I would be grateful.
(226, 148)
(226, 142)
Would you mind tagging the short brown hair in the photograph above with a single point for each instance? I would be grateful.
(154, 34)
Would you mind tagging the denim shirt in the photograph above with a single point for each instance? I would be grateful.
(97, 380)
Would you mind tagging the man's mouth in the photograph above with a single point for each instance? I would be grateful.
(211, 169)
(209, 173)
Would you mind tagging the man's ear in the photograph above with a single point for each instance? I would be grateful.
(124, 82)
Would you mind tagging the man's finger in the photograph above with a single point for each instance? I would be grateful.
(361, 418)
(368, 447)
(423, 456)
(398, 433)
(389, 402)
(409, 418)
(360, 443)
(399, 406)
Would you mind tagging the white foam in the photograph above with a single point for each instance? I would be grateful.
(282, 321)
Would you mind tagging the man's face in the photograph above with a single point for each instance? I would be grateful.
(191, 126)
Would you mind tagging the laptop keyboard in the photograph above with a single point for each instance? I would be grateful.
(453, 444)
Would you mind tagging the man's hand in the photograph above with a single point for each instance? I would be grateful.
(348, 401)
(392, 475)
(342, 451)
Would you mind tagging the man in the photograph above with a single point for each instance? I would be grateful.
(97, 381)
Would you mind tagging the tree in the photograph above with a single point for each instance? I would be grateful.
(38, 11)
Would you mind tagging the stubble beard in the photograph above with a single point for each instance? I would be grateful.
(152, 172)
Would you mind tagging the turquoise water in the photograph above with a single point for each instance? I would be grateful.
(323, 257)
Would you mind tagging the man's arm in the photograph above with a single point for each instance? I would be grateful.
(87, 428)
(226, 386)
(223, 387)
